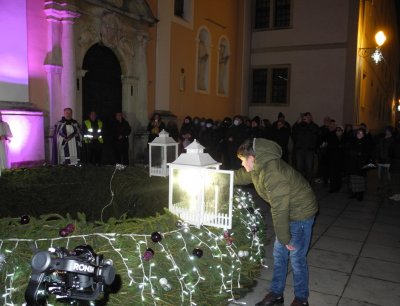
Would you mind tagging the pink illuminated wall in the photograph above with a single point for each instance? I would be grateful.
(27, 144)
(13, 51)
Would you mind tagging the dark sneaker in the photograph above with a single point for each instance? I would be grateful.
(297, 302)
(271, 300)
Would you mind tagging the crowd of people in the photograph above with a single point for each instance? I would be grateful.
(324, 154)
(74, 143)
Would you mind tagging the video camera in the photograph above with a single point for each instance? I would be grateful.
(72, 276)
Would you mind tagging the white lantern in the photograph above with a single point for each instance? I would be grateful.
(162, 150)
(200, 193)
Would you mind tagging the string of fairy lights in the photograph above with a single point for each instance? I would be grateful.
(141, 268)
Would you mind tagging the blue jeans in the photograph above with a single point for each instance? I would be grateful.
(300, 232)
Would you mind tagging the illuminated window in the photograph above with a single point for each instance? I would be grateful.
(272, 14)
(270, 86)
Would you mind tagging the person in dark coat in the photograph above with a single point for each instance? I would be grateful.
(281, 135)
(186, 132)
(155, 126)
(256, 130)
(121, 131)
(209, 139)
(172, 128)
(305, 139)
(335, 156)
(235, 136)
(328, 127)
(281, 118)
(384, 152)
(359, 155)
(395, 167)
(222, 130)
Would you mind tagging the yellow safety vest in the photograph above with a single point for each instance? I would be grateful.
(90, 134)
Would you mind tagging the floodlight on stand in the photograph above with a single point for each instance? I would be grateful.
(200, 193)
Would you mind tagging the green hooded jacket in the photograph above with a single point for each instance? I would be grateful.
(286, 190)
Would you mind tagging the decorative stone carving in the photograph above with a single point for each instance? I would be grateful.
(110, 30)
(88, 36)
(126, 45)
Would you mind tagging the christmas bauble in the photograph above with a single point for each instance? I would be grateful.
(148, 254)
(226, 234)
(167, 287)
(179, 223)
(197, 252)
(229, 240)
(70, 227)
(24, 219)
(163, 281)
(254, 229)
(241, 253)
(63, 232)
(156, 237)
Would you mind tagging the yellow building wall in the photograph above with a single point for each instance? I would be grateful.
(378, 82)
(220, 18)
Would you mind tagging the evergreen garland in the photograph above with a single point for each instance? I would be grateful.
(230, 260)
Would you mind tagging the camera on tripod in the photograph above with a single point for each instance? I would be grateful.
(72, 276)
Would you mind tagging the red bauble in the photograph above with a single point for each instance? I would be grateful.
(70, 227)
(63, 232)
(148, 254)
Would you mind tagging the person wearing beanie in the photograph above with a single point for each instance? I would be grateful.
(281, 118)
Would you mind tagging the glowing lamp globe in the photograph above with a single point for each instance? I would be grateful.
(200, 193)
(162, 150)
(380, 38)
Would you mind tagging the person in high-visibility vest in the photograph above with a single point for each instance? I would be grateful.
(93, 139)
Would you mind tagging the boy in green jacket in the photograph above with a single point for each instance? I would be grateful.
(293, 208)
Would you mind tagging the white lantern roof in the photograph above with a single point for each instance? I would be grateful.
(195, 157)
(163, 139)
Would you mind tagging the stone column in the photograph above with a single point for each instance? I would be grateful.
(68, 77)
(140, 68)
(129, 98)
(55, 112)
(53, 63)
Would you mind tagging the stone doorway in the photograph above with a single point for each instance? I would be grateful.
(102, 91)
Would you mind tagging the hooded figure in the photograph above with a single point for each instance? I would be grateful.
(293, 208)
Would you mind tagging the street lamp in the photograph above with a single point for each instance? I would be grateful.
(375, 53)
(200, 193)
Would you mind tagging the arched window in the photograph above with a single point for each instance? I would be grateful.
(223, 67)
(203, 60)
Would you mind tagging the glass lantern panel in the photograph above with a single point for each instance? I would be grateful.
(217, 193)
(156, 156)
(186, 188)
(171, 154)
(202, 196)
